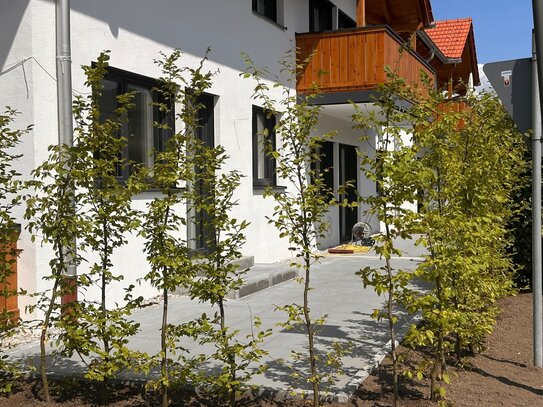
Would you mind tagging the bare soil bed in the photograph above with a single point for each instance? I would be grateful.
(502, 375)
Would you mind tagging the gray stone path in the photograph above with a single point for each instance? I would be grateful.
(337, 292)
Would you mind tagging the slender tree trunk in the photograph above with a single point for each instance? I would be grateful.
(433, 379)
(440, 342)
(310, 333)
(439, 357)
(443, 364)
(390, 301)
(392, 333)
(455, 300)
(231, 357)
(104, 386)
(43, 339)
(438, 367)
(391, 330)
(164, 349)
(164, 332)
(458, 348)
(301, 180)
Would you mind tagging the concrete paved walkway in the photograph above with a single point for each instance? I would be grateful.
(337, 293)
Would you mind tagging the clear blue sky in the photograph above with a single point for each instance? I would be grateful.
(503, 29)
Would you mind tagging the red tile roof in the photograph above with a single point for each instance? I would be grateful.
(450, 36)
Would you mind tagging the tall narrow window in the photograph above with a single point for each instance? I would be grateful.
(266, 8)
(263, 142)
(321, 15)
(204, 234)
(142, 136)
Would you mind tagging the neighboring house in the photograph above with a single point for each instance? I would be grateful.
(353, 40)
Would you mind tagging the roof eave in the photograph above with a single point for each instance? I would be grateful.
(434, 48)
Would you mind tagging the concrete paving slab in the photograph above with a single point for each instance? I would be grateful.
(337, 292)
(263, 276)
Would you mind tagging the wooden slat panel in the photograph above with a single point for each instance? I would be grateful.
(335, 59)
(361, 59)
(370, 76)
(353, 64)
(344, 60)
(379, 58)
(355, 59)
(325, 63)
(313, 67)
(305, 48)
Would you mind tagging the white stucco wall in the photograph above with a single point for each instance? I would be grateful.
(17, 91)
(136, 31)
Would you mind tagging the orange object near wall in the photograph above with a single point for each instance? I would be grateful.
(70, 290)
(455, 106)
(10, 303)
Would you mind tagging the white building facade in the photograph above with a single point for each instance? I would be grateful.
(136, 32)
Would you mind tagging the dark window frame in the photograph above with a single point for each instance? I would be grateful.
(270, 10)
(159, 136)
(324, 6)
(269, 162)
(204, 238)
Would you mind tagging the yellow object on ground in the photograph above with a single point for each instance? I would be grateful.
(349, 249)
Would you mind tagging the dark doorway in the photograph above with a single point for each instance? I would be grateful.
(325, 166)
(348, 173)
(204, 235)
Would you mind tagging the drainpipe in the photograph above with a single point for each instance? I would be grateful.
(536, 212)
(537, 277)
(432, 55)
(64, 73)
(64, 109)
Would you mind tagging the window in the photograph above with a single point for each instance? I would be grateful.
(203, 234)
(266, 8)
(142, 136)
(321, 15)
(263, 141)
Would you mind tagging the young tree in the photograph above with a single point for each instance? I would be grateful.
(392, 167)
(300, 210)
(169, 255)
(471, 159)
(54, 214)
(98, 332)
(10, 197)
(212, 196)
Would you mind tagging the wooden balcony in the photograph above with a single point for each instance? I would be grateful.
(355, 59)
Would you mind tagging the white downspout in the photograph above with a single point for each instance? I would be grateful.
(64, 73)
(64, 84)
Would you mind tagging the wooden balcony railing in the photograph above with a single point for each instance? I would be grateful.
(355, 59)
